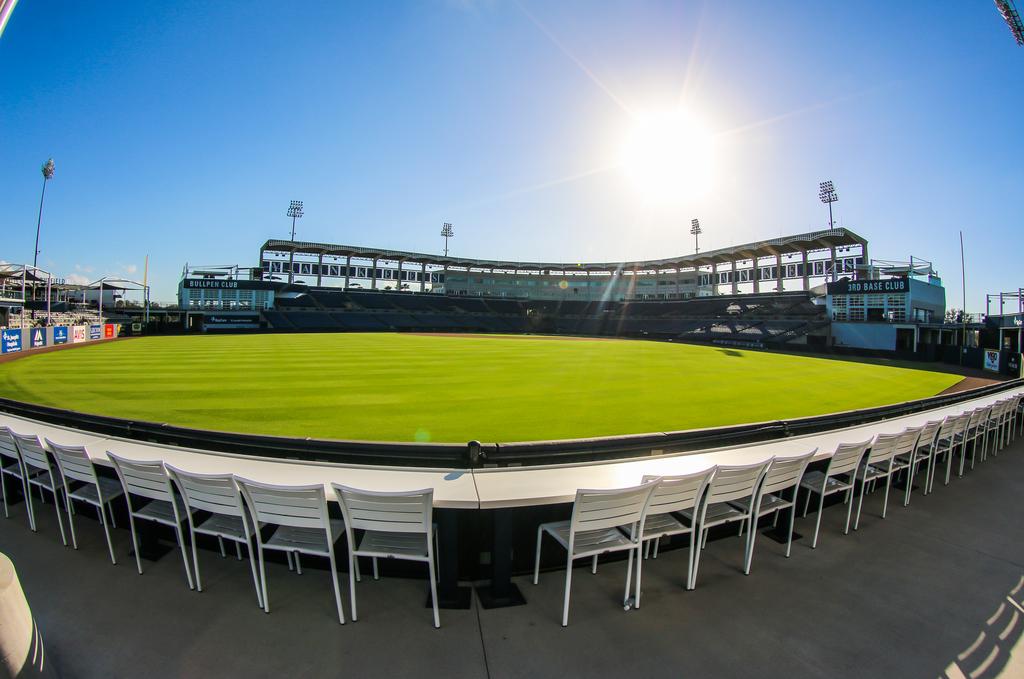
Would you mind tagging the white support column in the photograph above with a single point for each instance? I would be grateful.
(832, 257)
(373, 275)
(735, 279)
(804, 264)
(756, 274)
(348, 265)
(779, 287)
(423, 276)
(319, 268)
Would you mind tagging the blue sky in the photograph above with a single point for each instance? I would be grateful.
(182, 130)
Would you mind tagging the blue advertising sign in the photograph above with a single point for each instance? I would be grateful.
(95, 332)
(10, 340)
(60, 334)
(37, 337)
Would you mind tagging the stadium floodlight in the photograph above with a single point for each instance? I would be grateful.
(294, 211)
(448, 232)
(1012, 19)
(696, 231)
(827, 194)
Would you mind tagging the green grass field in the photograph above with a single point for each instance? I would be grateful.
(397, 387)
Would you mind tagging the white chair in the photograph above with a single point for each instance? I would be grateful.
(39, 471)
(887, 456)
(922, 453)
(10, 465)
(672, 495)
(594, 530)
(303, 526)
(974, 434)
(394, 526)
(839, 476)
(149, 480)
(730, 483)
(217, 494)
(994, 428)
(782, 476)
(956, 439)
(99, 491)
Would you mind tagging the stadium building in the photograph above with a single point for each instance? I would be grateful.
(818, 288)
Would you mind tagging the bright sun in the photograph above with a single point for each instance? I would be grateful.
(669, 157)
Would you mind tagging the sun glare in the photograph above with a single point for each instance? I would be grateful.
(669, 157)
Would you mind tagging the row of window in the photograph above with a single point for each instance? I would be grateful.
(769, 273)
(340, 271)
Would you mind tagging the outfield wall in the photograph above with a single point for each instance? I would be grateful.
(14, 340)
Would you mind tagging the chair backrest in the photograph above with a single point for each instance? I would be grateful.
(786, 472)
(847, 458)
(735, 482)
(599, 509)
(949, 427)
(215, 493)
(906, 442)
(390, 512)
(299, 506)
(883, 448)
(146, 478)
(32, 452)
(928, 433)
(678, 493)
(8, 448)
(963, 420)
(74, 462)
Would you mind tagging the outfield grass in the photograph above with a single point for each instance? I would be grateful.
(400, 387)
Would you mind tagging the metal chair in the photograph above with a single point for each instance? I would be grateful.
(839, 476)
(99, 491)
(149, 480)
(955, 438)
(217, 494)
(394, 526)
(672, 495)
(784, 474)
(887, 456)
(40, 472)
(10, 465)
(975, 432)
(730, 483)
(594, 530)
(922, 453)
(303, 526)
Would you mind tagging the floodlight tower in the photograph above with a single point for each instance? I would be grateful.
(696, 231)
(827, 194)
(47, 176)
(295, 212)
(448, 232)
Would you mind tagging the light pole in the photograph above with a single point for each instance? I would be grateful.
(696, 231)
(47, 176)
(294, 211)
(448, 232)
(827, 194)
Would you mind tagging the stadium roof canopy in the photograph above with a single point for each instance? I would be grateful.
(818, 240)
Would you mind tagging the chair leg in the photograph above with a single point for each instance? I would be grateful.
(807, 502)
(593, 564)
(352, 584)
(376, 573)
(693, 552)
(135, 540)
(657, 544)
(696, 556)
(849, 507)
(31, 508)
(255, 576)
(817, 522)
(60, 520)
(568, 587)
(860, 503)
(792, 520)
(3, 492)
(195, 556)
(629, 581)
(263, 579)
(334, 580)
(288, 555)
(433, 593)
(536, 561)
(71, 522)
(751, 538)
(885, 501)
(184, 555)
(106, 531)
(298, 564)
(220, 543)
(238, 551)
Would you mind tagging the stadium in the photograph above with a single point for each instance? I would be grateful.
(789, 451)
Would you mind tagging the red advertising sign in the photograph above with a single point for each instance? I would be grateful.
(108, 331)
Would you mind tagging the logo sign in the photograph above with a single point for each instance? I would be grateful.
(95, 332)
(108, 331)
(37, 337)
(136, 327)
(78, 333)
(1018, 321)
(60, 334)
(991, 361)
(10, 340)
(847, 287)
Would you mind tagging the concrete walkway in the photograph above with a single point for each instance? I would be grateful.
(933, 590)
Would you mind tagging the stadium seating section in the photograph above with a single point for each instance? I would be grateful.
(755, 320)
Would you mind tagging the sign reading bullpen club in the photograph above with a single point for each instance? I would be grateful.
(95, 332)
(37, 337)
(10, 340)
(848, 287)
(60, 334)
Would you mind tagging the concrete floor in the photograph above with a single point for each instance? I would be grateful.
(935, 589)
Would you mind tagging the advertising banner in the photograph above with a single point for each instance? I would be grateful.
(95, 332)
(60, 334)
(10, 340)
(37, 337)
(78, 333)
(991, 361)
(108, 331)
